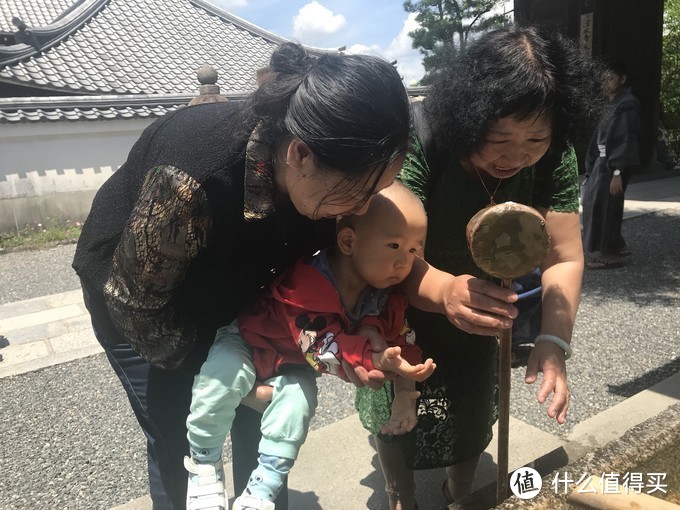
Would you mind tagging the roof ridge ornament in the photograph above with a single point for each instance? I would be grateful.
(209, 91)
(24, 34)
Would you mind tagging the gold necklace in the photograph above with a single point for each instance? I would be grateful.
(491, 195)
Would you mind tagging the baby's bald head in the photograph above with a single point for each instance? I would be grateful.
(391, 205)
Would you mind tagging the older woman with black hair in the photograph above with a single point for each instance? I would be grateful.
(212, 203)
(495, 127)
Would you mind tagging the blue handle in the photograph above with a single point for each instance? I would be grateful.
(530, 293)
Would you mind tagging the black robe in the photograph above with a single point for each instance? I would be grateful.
(614, 145)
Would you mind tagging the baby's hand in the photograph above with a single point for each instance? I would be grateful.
(403, 417)
(390, 359)
(423, 370)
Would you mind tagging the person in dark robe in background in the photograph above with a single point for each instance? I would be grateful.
(612, 156)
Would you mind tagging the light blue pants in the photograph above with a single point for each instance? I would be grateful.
(225, 378)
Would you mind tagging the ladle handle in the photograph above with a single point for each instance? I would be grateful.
(504, 372)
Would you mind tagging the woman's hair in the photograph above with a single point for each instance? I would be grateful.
(514, 71)
(351, 110)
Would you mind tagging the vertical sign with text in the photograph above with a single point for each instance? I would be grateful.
(586, 35)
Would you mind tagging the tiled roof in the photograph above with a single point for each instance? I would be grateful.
(69, 108)
(111, 47)
(34, 14)
(84, 113)
(43, 109)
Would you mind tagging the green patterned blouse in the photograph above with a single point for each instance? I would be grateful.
(453, 196)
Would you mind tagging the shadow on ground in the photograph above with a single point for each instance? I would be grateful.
(630, 388)
(651, 274)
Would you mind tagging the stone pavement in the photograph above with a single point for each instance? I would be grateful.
(45, 331)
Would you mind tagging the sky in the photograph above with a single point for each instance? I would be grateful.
(334, 23)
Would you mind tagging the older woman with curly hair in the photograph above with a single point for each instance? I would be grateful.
(496, 126)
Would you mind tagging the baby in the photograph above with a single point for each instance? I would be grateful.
(315, 316)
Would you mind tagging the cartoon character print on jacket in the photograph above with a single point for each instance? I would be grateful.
(408, 334)
(321, 353)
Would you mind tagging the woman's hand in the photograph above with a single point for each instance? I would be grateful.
(473, 305)
(478, 306)
(548, 358)
(359, 376)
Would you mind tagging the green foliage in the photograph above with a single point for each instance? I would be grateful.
(445, 26)
(38, 235)
(670, 73)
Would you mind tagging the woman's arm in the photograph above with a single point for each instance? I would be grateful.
(561, 280)
(473, 305)
(168, 228)
(562, 273)
(476, 306)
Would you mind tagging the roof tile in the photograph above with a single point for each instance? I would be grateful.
(34, 14)
(146, 48)
(157, 45)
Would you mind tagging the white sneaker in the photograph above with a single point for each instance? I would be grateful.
(248, 502)
(205, 488)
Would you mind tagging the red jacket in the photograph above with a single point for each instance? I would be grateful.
(302, 320)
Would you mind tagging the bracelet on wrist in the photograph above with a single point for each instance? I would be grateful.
(543, 337)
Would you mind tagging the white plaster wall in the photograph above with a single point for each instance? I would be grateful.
(55, 167)
(54, 157)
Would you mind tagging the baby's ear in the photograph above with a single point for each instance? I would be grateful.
(345, 239)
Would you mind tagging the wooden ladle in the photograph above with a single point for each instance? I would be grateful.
(506, 241)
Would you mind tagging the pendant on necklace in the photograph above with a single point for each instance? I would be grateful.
(492, 202)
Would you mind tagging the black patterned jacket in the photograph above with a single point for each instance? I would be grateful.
(185, 233)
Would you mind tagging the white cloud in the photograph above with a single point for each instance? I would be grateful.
(362, 49)
(401, 45)
(409, 60)
(313, 20)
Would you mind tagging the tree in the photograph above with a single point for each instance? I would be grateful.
(670, 72)
(444, 21)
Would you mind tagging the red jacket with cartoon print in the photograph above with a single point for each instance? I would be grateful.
(302, 320)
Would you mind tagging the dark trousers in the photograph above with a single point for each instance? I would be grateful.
(602, 212)
(160, 400)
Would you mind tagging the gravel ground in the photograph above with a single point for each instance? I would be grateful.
(626, 336)
(68, 429)
(69, 432)
(29, 274)
(73, 421)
